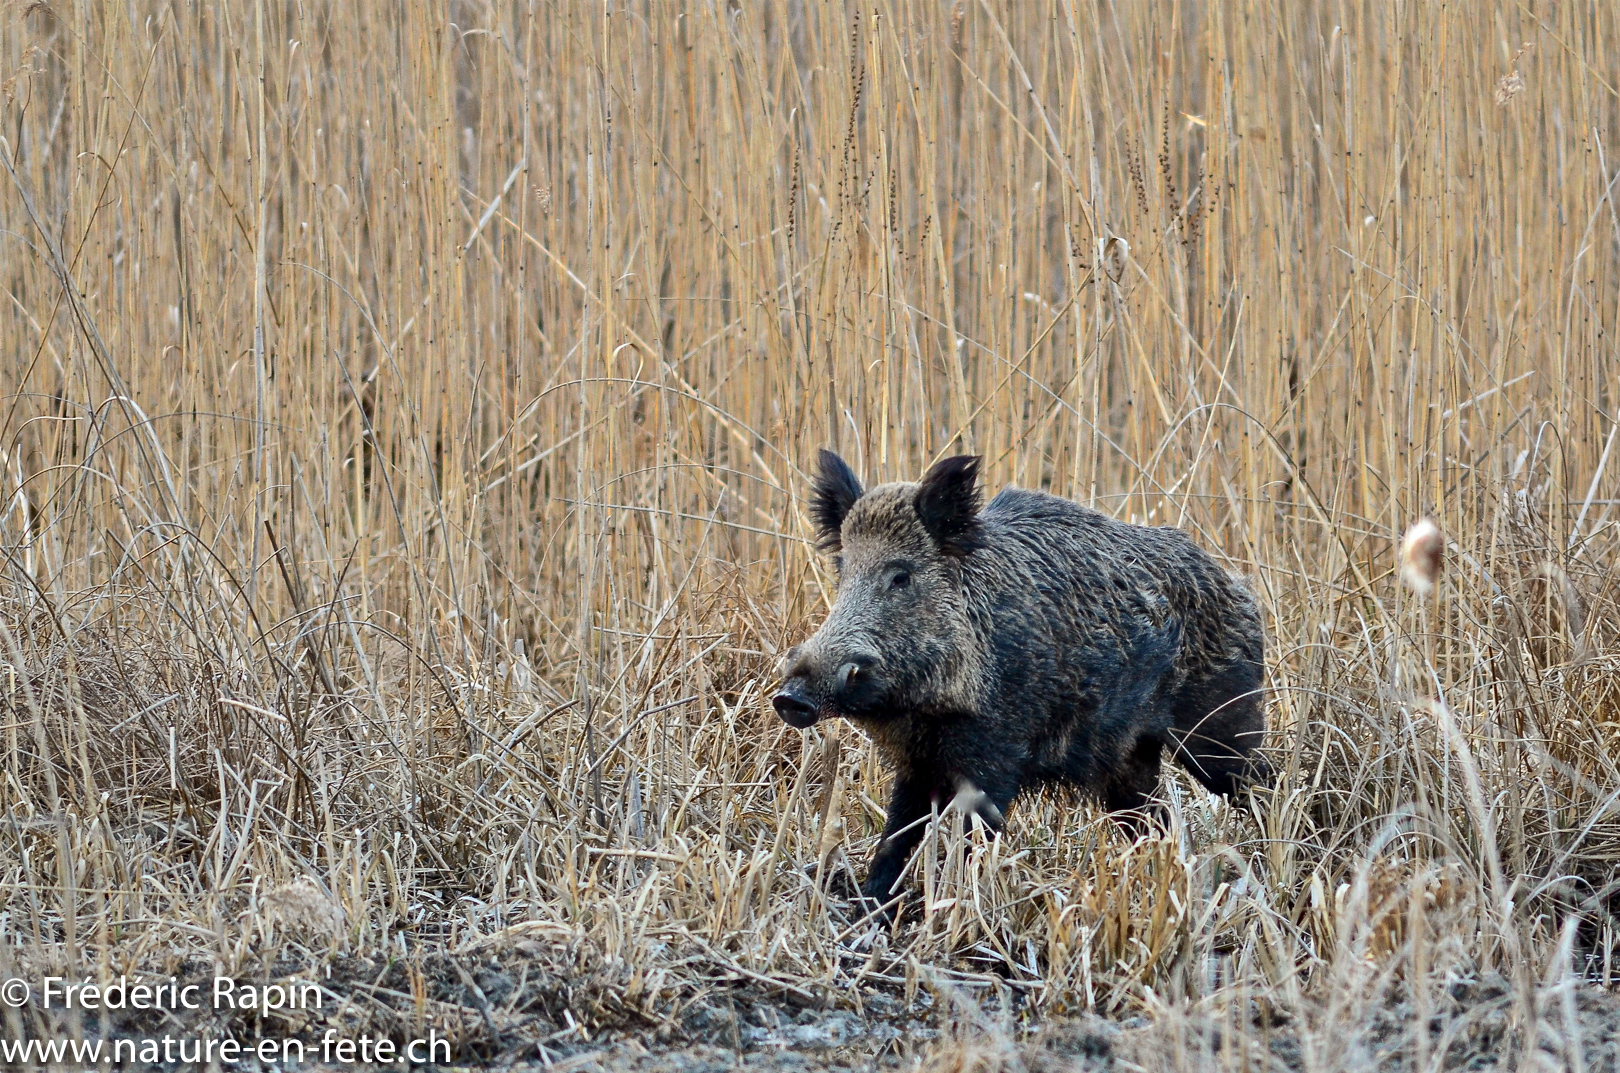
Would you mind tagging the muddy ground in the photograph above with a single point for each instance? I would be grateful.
(1475, 1032)
(512, 1012)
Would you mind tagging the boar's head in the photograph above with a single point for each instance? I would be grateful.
(898, 639)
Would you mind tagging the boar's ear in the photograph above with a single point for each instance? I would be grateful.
(948, 503)
(836, 490)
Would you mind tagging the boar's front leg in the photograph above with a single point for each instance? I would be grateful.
(908, 804)
(911, 802)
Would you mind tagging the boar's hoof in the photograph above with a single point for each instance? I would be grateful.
(870, 909)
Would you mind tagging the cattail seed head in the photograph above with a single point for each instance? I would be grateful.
(1422, 552)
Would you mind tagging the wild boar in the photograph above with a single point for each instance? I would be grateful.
(1032, 642)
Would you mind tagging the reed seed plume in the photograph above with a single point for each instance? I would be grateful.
(1422, 553)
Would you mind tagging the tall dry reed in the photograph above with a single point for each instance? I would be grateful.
(403, 419)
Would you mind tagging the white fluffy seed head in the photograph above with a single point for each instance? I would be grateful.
(1422, 552)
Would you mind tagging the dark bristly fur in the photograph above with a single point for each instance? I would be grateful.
(1032, 642)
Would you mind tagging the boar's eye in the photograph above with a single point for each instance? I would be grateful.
(900, 580)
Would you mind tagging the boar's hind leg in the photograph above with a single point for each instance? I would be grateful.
(1220, 727)
(1131, 785)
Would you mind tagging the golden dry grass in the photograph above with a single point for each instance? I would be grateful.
(404, 416)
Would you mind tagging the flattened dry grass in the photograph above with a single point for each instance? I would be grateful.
(404, 419)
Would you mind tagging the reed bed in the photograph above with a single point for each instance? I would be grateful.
(405, 417)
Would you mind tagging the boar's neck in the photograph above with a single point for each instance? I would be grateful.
(910, 742)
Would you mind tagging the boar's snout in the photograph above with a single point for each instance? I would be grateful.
(792, 701)
(813, 687)
(793, 708)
